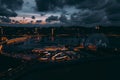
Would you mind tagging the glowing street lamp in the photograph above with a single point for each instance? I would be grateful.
(97, 27)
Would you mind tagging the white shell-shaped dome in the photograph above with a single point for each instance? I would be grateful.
(98, 40)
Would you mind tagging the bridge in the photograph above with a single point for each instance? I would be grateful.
(17, 40)
(13, 41)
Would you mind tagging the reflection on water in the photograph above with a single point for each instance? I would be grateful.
(97, 43)
(40, 42)
(95, 40)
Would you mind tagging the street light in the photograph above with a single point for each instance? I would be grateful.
(1, 30)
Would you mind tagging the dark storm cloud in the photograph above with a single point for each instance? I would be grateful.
(12, 4)
(63, 18)
(7, 12)
(45, 5)
(89, 17)
(38, 21)
(91, 12)
(7, 7)
(5, 19)
(52, 18)
(113, 12)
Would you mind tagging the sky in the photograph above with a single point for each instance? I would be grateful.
(63, 12)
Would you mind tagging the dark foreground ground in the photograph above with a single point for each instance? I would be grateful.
(107, 68)
(96, 68)
(100, 69)
(7, 62)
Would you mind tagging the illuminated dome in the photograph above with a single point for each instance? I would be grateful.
(97, 40)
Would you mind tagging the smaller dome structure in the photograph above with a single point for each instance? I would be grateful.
(97, 41)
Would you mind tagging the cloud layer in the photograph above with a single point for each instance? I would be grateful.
(7, 7)
(81, 12)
